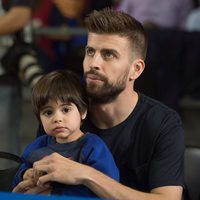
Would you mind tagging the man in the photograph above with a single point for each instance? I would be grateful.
(145, 137)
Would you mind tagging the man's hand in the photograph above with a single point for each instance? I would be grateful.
(59, 169)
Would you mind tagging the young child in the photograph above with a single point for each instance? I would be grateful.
(60, 104)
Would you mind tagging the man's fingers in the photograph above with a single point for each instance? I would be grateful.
(40, 170)
(43, 181)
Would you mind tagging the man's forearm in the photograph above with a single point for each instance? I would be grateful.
(14, 20)
(66, 171)
(107, 188)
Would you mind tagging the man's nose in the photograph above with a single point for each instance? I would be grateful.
(96, 62)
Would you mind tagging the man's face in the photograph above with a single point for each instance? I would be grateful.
(106, 66)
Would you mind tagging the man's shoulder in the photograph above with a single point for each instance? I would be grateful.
(153, 107)
(154, 117)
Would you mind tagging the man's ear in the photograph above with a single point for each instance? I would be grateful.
(137, 68)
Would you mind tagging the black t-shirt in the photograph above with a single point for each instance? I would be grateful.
(148, 146)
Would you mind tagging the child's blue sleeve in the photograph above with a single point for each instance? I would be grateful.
(94, 153)
(18, 176)
(97, 155)
(38, 143)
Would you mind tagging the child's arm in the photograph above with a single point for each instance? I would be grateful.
(28, 180)
(98, 156)
(19, 175)
(94, 153)
(38, 143)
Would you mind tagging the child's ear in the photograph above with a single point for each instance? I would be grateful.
(83, 115)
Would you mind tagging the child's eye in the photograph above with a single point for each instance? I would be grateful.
(47, 113)
(66, 110)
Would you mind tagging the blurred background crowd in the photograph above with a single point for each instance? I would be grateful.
(39, 36)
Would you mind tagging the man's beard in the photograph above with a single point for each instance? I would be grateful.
(108, 91)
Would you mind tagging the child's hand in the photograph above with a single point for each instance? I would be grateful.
(29, 185)
(28, 174)
(27, 182)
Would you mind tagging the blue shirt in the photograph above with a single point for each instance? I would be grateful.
(89, 150)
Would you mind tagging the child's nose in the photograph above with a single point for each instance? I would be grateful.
(57, 118)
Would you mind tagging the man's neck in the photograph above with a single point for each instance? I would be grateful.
(107, 115)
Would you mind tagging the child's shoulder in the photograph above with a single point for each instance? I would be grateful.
(92, 139)
(92, 136)
(39, 142)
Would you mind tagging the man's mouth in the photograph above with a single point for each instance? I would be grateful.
(93, 77)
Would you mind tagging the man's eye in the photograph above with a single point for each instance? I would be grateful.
(90, 52)
(108, 55)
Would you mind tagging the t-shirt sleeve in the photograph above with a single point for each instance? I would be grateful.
(97, 155)
(166, 167)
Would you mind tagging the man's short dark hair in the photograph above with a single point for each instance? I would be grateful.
(109, 21)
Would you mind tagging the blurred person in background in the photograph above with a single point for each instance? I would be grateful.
(158, 13)
(193, 19)
(14, 15)
(14, 9)
(58, 51)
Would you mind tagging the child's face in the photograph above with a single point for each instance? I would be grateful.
(62, 121)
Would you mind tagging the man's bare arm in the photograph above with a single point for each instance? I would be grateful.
(15, 19)
(106, 187)
(66, 171)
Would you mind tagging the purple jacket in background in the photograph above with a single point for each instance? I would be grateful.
(164, 13)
